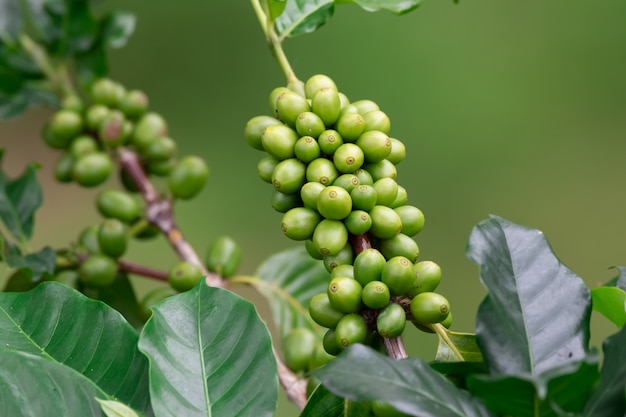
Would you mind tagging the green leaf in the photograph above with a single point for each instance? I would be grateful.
(395, 6)
(210, 355)
(611, 302)
(303, 16)
(14, 104)
(62, 326)
(10, 18)
(121, 296)
(19, 199)
(324, 403)
(463, 343)
(563, 388)
(620, 280)
(116, 409)
(117, 28)
(34, 266)
(35, 386)
(288, 280)
(536, 314)
(410, 385)
(608, 399)
(276, 7)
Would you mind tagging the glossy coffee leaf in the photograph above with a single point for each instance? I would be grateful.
(464, 343)
(324, 403)
(610, 302)
(563, 388)
(19, 199)
(289, 280)
(121, 296)
(32, 267)
(395, 6)
(304, 16)
(410, 385)
(210, 355)
(536, 314)
(64, 327)
(608, 400)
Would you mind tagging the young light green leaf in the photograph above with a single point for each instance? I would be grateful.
(210, 355)
(64, 327)
(303, 16)
(410, 385)
(566, 387)
(288, 280)
(324, 403)
(10, 18)
(19, 199)
(276, 8)
(33, 385)
(117, 28)
(462, 343)
(116, 409)
(608, 399)
(610, 302)
(536, 314)
(395, 6)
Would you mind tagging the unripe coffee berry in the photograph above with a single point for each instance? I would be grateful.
(385, 222)
(348, 158)
(412, 219)
(282, 202)
(299, 347)
(118, 205)
(326, 104)
(299, 223)
(368, 266)
(266, 166)
(381, 169)
(83, 145)
(279, 141)
(398, 151)
(150, 126)
(330, 236)
(430, 307)
(93, 169)
(153, 297)
(358, 222)
(64, 168)
(377, 120)
(334, 203)
(351, 329)
(273, 96)
(162, 148)
(254, 130)
(344, 294)
(398, 275)
(309, 193)
(289, 106)
(375, 295)
(183, 276)
(63, 126)
(307, 149)
(365, 106)
(347, 182)
(309, 124)
(321, 170)
(391, 321)
(329, 140)
(345, 257)
(322, 311)
(427, 277)
(329, 342)
(363, 197)
(317, 82)
(400, 245)
(113, 238)
(95, 115)
(133, 104)
(289, 176)
(97, 271)
(350, 126)
(386, 191)
(188, 177)
(223, 256)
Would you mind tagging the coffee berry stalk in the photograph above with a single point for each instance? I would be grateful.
(332, 165)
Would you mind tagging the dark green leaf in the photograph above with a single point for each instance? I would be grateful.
(10, 18)
(361, 374)
(289, 279)
(77, 29)
(277, 7)
(19, 281)
(210, 355)
(33, 266)
(464, 343)
(32, 385)
(536, 314)
(608, 400)
(565, 388)
(121, 296)
(12, 105)
(19, 199)
(64, 327)
(304, 16)
(92, 64)
(323, 403)
(611, 302)
(394, 6)
(117, 28)
(41, 20)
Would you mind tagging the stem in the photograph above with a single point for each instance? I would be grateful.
(295, 388)
(141, 270)
(442, 333)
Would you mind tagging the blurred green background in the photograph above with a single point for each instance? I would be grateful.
(510, 108)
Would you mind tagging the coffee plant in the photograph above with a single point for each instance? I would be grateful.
(75, 340)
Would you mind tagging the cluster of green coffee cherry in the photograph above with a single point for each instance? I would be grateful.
(333, 164)
(89, 132)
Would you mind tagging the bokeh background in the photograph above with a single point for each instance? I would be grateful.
(516, 109)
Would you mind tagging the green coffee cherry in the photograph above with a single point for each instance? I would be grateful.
(149, 127)
(329, 342)
(320, 358)
(398, 151)
(299, 223)
(363, 197)
(223, 256)
(364, 177)
(344, 294)
(365, 106)
(83, 145)
(95, 115)
(118, 204)
(282, 202)
(447, 321)
(313, 250)
(309, 124)
(412, 219)
(266, 166)
(254, 130)
(400, 245)
(391, 321)
(350, 126)
(143, 230)
(377, 120)
(114, 130)
(358, 222)
(133, 104)
(273, 97)
(321, 170)
(385, 222)
(309, 193)
(351, 329)
(161, 148)
(375, 145)
(368, 266)
(343, 100)
(184, 276)
(386, 191)
(88, 239)
(334, 203)
(326, 104)
(64, 168)
(384, 409)
(160, 168)
(153, 297)
(343, 258)
(329, 141)
(93, 169)
(73, 103)
(347, 182)
(330, 236)
(279, 141)
(97, 271)
(113, 238)
(188, 177)
(348, 158)
(430, 307)
(381, 169)
(401, 198)
(289, 176)
(316, 83)
(289, 106)
(107, 92)
(307, 149)
(299, 348)
(398, 275)
(427, 277)
(343, 270)
(375, 295)
(62, 127)
(322, 311)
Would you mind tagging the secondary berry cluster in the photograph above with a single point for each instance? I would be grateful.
(332, 165)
